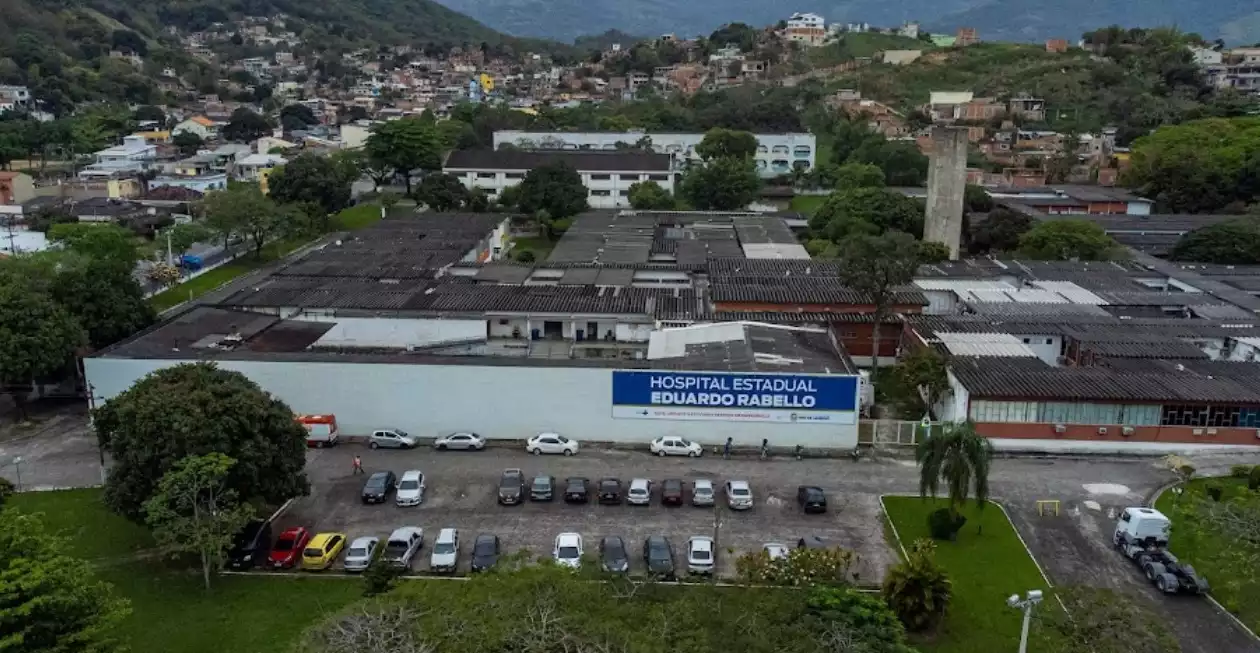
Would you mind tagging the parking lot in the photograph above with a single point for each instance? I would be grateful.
(462, 489)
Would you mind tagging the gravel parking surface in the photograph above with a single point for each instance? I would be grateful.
(462, 488)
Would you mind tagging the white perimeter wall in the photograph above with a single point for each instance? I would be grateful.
(505, 402)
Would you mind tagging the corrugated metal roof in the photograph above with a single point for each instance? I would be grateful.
(985, 344)
(1071, 291)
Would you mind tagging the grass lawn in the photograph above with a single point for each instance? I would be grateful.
(540, 246)
(987, 564)
(170, 609)
(204, 283)
(358, 217)
(1203, 551)
(807, 204)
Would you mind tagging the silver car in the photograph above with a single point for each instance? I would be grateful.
(445, 554)
(391, 439)
(702, 492)
(701, 555)
(360, 553)
(401, 545)
(640, 492)
(739, 495)
(462, 441)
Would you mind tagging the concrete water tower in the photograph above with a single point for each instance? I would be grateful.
(947, 186)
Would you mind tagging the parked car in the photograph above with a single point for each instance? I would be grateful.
(511, 487)
(702, 493)
(640, 492)
(402, 545)
(360, 553)
(775, 550)
(322, 551)
(658, 555)
(811, 498)
(613, 556)
(575, 490)
(410, 488)
(551, 443)
(445, 554)
(378, 487)
(811, 542)
(288, 548)
(672, 492)
(485, 552)
(463, 441)
(568, 550)
(739, 495)
(250, 545)
(701, 555)
(391, 439)
(670, 445)
(610, 491)
(543, 488)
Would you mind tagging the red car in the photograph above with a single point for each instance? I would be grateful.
(288, 549)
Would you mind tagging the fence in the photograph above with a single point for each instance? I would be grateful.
(890, 433)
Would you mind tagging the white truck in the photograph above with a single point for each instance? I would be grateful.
(1142, 536)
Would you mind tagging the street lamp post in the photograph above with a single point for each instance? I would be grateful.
(17, 467)
(1027, 604)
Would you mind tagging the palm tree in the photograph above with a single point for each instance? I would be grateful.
(960, 458)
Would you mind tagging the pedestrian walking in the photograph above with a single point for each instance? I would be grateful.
(765, 448)
(799, 450)
(726, 450)
(358, 465)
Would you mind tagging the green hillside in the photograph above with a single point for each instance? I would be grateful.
(863, 44)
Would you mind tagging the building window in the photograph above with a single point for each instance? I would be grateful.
(601, 177)
(658, 177)
(601, 193)
(629, 177)
(486, 175)
(515, 175)
(1027, 341)
(623, 193)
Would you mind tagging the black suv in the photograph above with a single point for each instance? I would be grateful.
(511, 487)
(658, 554)
(250, 545)
(612, 555)
(543, 488)
(610, 491)
(485, 552)
(378, 487)
(575, 490)
(811, 498)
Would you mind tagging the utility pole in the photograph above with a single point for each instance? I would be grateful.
(1027, 605)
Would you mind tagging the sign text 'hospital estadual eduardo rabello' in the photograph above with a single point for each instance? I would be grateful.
(735, 397)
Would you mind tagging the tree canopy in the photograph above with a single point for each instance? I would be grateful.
(955, 455)
(556, 188)
(875, 266)
(106, 300)
(310, 178)
(721, 184)
(858, 175)
(650, 196)
(1200, 166)
(246, 125)
(999, 232)
(1067, 240)
(106, 243)
(867, 210)
(722, 143)
(443, 192)
(38, 337)
(406, 145)
(194, 410)
(1234, 242)
(244, 211)
(50, 601)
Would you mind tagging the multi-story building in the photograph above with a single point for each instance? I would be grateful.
(15, 98)
(132, 157)
(777, 154)
(806, 28)
(1238, 68)
(606, 175)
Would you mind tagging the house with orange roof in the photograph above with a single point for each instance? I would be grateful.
(199, 125)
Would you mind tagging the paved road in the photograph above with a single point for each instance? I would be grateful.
(1072, 547)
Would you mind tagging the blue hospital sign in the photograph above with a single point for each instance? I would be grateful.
(792, 398)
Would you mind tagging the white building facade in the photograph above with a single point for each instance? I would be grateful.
(777, 154)
(607, 176)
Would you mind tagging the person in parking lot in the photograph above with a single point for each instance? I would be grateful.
(358, 466)
(726, 450)
(765, 448)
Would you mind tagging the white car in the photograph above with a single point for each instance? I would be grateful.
(464, 440)
(551, 443)
(669, 445)
(775, 550)
(701, 555)
(445, 554)
(568, 551)
(702, 493)
(360, 553)
(401, 545)
(392, 439)
(738, 495)
(410, 490)
(640, 492)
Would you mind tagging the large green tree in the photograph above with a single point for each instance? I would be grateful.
(443, 192)
(650, 196)
(51, 602)
(406, 145)
(194, 410)
(719, 143)
(722, 184)
(867, 211)
(999, 232)
(1234, 242)
(107, 301)
(955, 455)
(194, 511)
(312, 179)
(858, 175)
(918, 589)
(246, 125)
(555, 188)
(1200, 166)
(875, 267)
(105, 243)
(38, 338)
(244, 211)
(1067, 240)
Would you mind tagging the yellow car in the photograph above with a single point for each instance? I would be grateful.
(322, 551)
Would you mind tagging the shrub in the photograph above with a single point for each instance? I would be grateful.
(379, 577)
(6, 490)
(1253, 479)
(526, 256)
(1215, 491)
(918, 590)
(802, 566)
(1240, 471)
(945, 526)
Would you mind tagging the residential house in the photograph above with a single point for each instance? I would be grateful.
(806, 28)
(966, 36)
(133, 156)
(255, 167)
(953, 106)
(909, 30)
(1057, 46)
(1075, 199)
(15, 187)
(202, 126)
(15, 98)
(878, 116)
(1028, 107)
